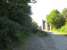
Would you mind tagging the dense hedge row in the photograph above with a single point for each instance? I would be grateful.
(15, 20)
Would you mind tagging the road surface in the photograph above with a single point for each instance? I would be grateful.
(60, 42)
(40, 43)
(51, 42)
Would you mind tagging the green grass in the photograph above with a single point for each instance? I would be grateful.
(61, 31)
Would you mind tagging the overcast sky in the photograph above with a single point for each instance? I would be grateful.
(43, 7)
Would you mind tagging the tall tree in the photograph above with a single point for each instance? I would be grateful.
(55, 19)
(14, 18)
(64, 12)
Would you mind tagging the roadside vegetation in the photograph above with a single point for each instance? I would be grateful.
(58, 21)
(41, 33)
(15, 23)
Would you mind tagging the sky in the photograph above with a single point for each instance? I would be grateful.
(44, 7)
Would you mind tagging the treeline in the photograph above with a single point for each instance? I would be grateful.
(58, 20)
(15, 22)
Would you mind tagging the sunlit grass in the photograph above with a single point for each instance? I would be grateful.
(58, 32)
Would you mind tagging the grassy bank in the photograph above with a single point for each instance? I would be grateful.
(60, 31)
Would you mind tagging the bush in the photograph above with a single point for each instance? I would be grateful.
(22, 36)
(8, 30)
(14, 18)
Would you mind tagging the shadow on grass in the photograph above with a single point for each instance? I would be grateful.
(41, 33)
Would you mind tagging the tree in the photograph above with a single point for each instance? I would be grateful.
(55, 19)
(14, 18)
(64, 13)
(35, 27)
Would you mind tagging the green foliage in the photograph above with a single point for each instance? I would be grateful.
(8, 31)
(35, 27)
(22, 36)
(60, 20)
(42, 33)
(63, 29)
(64, 12)
(55, 19)
(14, 18)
